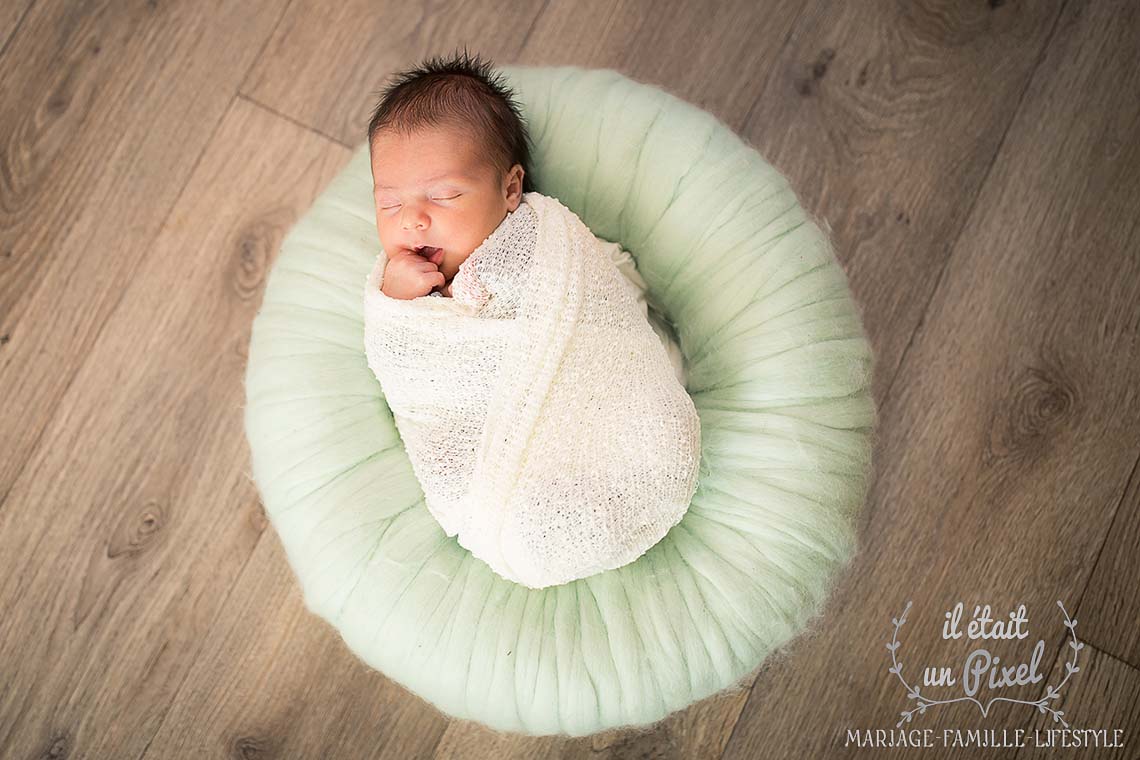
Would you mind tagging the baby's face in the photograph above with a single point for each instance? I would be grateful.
(433, 187)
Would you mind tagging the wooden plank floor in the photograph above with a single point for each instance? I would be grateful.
(978, 165)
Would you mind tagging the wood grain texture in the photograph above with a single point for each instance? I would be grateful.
(1009, 435)
(135, 517)
(325, 65)
(11, 14)
(107, 107)
(272, 681)
(1111, 605)
(977, 163)
(717, 55)
(1104, 694)
(888, 116)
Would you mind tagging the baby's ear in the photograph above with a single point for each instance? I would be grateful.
(514, 186)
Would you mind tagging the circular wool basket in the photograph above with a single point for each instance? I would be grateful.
(777, 365)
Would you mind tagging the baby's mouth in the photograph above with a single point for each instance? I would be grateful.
(431, 253)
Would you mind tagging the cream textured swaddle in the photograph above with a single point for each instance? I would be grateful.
(546, 423)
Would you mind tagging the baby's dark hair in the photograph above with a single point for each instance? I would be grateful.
(461, 91)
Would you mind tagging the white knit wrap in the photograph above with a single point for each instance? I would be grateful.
(546, 426)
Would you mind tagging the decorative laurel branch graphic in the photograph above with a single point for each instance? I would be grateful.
(1041, 704)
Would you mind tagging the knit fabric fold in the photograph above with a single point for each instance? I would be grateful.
(540, 411)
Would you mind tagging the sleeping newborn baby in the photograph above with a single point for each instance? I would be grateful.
(539, 410)
(438, 196)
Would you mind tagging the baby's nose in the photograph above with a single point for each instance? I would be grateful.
(413, 219)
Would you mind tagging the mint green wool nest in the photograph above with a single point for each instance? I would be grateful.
(777, 365)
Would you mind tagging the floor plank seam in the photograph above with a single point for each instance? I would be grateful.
(291, 120)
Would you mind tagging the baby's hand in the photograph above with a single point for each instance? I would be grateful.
(409, 275)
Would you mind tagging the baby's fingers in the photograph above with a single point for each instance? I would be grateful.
(432, 275)
(430, 280)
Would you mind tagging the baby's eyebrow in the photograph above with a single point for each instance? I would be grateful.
(428, 181)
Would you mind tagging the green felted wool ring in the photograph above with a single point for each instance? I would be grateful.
(778, 367)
